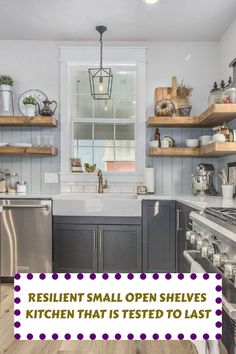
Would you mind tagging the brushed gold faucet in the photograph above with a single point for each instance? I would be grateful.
(101, 186)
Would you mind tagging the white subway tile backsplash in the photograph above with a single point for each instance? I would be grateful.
(77, 189)
(65, 189)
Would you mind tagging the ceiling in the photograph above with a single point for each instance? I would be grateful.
(127, 20)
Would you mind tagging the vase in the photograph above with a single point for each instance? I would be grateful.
(30, 110)
(6, 93)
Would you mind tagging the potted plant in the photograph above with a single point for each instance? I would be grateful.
(183, 93)
(6, 84)
(30, 103)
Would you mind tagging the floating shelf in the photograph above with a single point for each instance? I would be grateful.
(218, 114)
(213, 116)
(15, 150)
(173, 122)
(211, 150)
(22, 121)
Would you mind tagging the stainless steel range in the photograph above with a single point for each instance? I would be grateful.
(212, 243)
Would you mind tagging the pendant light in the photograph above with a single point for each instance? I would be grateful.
(101, 78)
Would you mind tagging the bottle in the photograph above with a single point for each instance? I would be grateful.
(229, 95)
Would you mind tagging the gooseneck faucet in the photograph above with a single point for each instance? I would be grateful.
(101, 186)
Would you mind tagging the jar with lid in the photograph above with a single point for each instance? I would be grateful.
(229, 95)
(215, 95)
(12, 182)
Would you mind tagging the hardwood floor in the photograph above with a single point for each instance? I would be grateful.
(9, 345)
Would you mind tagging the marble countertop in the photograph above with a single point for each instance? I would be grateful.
(197, 202)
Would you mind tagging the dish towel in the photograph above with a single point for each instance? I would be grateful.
(210, 346)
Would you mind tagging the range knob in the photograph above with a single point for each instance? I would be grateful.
(229, 270)
(188, 235)
(219, 259)
(193, 237)
(204, 249)
(199, 241)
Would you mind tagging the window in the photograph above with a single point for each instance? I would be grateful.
(104, 132)
(109, 133)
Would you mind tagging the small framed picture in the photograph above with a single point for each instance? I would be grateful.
(232, 173)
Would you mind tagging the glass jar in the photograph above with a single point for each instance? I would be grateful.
(229, 95)
(215, 95)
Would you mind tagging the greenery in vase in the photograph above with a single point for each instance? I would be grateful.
(184, 91)
(30, 100)
(6, 80)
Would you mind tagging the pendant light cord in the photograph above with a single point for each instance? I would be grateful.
(101, 58)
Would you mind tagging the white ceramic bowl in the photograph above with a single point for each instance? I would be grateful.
(205, 138)
(192, 143)
(218, 138)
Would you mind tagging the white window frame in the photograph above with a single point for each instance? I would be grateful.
(84, 56)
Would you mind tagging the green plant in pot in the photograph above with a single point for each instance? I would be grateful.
(183, 93)
(6, 83)
(30, 103)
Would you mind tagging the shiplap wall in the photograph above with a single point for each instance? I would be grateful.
(35, 65)
(32, 64)
(197, 63)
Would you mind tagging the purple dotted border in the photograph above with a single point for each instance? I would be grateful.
(118, 336)
(118, 276)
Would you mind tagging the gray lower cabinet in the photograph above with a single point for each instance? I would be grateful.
(74, 248)
(97, 247)
(120, 248)
(183, 223)
(158, 236)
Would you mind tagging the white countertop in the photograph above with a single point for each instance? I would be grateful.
(26, 196)
(196, 202)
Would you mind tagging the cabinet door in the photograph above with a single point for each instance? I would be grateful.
(75, 248)
(119, 248)
(158, 236)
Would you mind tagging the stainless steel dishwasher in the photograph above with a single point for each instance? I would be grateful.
(26, 236)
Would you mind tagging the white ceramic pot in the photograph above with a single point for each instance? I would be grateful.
(218, 138)
(6, 92)
(30, 110)
(227, 191)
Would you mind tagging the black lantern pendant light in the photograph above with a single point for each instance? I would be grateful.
(101, 78)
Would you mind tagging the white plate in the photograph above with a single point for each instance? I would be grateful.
(22, 145)
(3, 144)
(39, 95)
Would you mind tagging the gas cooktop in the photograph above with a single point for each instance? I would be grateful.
(226, 214)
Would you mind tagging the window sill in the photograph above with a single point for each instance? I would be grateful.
(92, 177)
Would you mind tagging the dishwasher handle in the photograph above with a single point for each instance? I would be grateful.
(15, 206)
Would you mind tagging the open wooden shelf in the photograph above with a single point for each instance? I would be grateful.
(22, 121)
(213, 116)
(211, 150)
(15, 150)
(173, 122)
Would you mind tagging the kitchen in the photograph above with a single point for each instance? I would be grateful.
(94, 221)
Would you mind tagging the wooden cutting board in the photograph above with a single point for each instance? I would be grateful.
(170, 93)
(166, 93)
